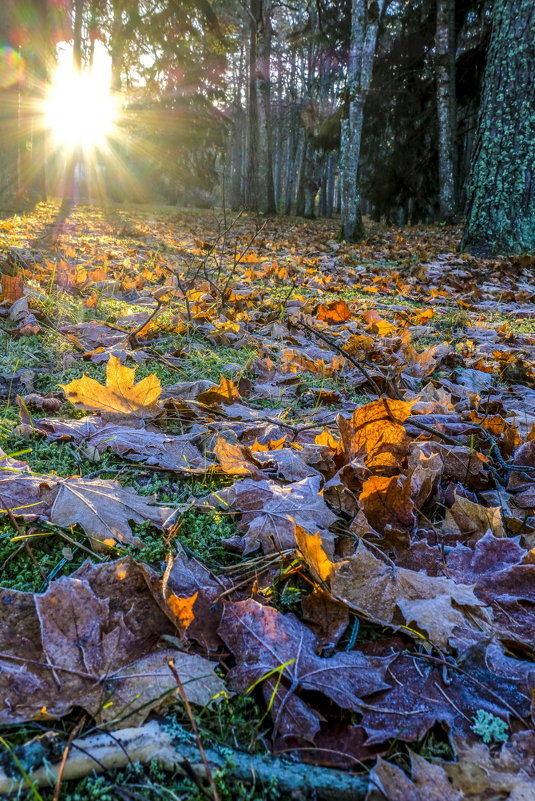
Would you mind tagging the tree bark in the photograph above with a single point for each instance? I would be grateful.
(260, 194)
(500, 215)
(446, 108)
(364, 28)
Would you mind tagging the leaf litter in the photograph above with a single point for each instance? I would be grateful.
(371, 438)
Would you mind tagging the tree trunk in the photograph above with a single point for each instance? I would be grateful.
(260, 195)
(364, 29)
(446, 108)
(500, 216)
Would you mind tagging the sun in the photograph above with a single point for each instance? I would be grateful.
(79, 108)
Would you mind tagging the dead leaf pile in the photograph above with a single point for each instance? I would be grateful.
(364, 422)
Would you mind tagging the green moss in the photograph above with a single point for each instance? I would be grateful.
(55, 556)
(152, 783)
(211, 363)
(26, 352)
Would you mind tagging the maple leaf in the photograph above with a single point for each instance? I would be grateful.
(429, 782)
(327, 618)
(189, 589)
(375, 433)
(468, 518)
(509, 772)
(386, 502)
(335, 312)
(103, 509)
(420, 697)
(85, 642)
(266, 642)
(168, 451)
(392, 595)
(119, 396)
(270, 512)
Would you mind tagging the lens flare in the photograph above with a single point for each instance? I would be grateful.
(80, 110)
(11, 67)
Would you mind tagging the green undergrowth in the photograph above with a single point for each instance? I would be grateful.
(201, 532)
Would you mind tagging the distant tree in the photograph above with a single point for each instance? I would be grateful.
(364, 27)
(500, 215)
(446, 108)
(260, 195)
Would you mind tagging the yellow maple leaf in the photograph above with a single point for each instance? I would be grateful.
(119, 395)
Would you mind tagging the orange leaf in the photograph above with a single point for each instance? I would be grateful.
(12, 287)
(375, 433)
(225, 392)
(336, 312)
(311, 549)
(182, 609)
(387, 502)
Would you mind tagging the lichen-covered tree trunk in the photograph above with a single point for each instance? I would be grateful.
(500, 215)
(364, 28)
(446, 108)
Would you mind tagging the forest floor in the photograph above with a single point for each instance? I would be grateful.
(304, 528)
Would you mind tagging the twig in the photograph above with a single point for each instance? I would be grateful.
(195, 728)
(150, 742)
(340, 350)
(66, 750)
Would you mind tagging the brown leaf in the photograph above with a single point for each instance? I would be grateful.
(271, 512)
(510, 772)
(179, 453)
(429, 782)
(264, 640)
(120, 396)
(233, 458)
(103, 509)
(225, 392)
(375, 434)
(190, 579)
(328, 618)
(390, 595)
(472, 519)
(287, 463)
(423, 694)
(387, 503)
(85, 642)
(12, 287)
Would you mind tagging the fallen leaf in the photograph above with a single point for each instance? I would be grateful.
(103, 509)
(335, 312)
(85, 642)
(390, 595)
(119, 396)
(266, 642)
(429, 782)
(270, 512)
(375, 434)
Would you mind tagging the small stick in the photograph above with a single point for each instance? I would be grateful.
(181, 690)
(343, 352)
(66, 750)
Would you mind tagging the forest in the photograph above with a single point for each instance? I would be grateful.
(267, 400)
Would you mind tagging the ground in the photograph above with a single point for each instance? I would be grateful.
(289, 327)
